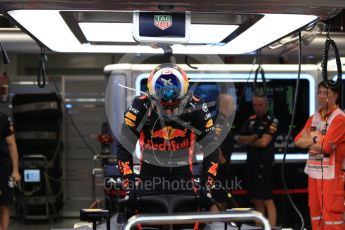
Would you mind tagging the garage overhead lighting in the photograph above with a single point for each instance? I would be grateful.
(107, 32)
(51, 28)
(122, 32)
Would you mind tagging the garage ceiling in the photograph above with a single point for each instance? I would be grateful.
(211, 12)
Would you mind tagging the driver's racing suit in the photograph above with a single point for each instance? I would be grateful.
(167, 146)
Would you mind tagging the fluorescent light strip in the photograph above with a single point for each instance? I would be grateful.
(332, 64)
(290, 157)
(107, 32)
(202, 33)
(240, 157)
(267, 30)
(122, 32)
(84, 100)
(291, 68)
(49, 27)
(270, 28)
(25, 83)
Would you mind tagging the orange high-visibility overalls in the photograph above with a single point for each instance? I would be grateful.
(326, 178)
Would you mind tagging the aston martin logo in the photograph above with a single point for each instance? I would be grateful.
(163, 21)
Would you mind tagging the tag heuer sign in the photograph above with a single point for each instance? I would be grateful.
(163, 21)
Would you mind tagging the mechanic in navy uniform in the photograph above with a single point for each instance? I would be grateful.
(223, 126)
(8, 168)
(258, 134)
(169, 122)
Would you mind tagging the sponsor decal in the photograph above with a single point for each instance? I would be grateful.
(169, 133)
(204, 108)
(209, 124)
(208, 116)
(192, 104)
(129, 122)
(213, 168)
(125, 168)
(134, 110)
(163, 22)
(314, 156)
(195, 98)
(167, 145)
(131, 116)
(209, 129)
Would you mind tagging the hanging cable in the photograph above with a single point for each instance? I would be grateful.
(262, 90)
(289, 135)
(168, 53)
(41, 75)
(5, 58)
(246, 84)
(328, 43)
(186, 61)
(259, 91)
(68, 113)
(41, 82)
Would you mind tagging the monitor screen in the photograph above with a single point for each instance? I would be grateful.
(161, 27)
(32, 175)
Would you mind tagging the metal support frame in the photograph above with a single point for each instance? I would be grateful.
(187, 218)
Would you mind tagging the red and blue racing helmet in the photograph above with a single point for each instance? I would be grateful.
(168, 82)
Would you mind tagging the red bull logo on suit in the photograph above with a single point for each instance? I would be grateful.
(167, 145)
(169, 133)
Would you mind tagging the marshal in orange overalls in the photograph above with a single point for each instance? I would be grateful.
(326, 178)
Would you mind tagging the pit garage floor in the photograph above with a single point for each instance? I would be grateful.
(61, 223)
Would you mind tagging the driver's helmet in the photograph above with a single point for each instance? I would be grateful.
(168, 85)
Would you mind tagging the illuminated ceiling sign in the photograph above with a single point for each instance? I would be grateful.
(113, 31)
(163, 21)
(167, 28)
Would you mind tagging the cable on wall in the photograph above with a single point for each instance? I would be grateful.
(289, 136)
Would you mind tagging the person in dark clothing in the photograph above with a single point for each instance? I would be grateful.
(258, 133)
(9, 168)
(169, 124)
(226, 113)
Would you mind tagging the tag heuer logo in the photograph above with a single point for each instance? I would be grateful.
(163, 21)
